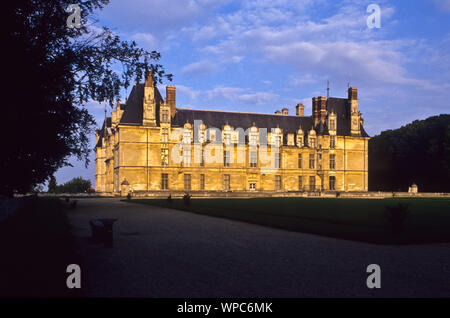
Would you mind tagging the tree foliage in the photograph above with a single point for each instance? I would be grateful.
(52, 185)
(76, 185)
(51, 72)
(416, 153)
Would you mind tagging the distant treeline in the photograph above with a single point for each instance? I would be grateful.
(76, 185)
(416, 153)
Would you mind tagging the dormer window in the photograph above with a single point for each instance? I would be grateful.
(300, 140)
(187, 136)
(312, 139)
(277, 137)
(227, 135)
(253, 137)
(202, 134)
(332, 124)
(165, 115)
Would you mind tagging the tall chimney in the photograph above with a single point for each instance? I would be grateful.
(285, 111)
(171, 99)
(322, 101)
(352, 93)
(300, 110)
(315, 110)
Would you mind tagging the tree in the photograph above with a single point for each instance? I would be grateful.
(52, 185)
(51, 71)
(416, 153)
(76, 185)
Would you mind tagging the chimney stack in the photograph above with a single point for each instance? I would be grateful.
(149, 80)
(352, 93)
(285, 111)
(277, 112)
(322, 104)
(300, 110)
(171, 99)
(315, 110)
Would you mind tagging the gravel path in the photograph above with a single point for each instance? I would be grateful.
(168, 253)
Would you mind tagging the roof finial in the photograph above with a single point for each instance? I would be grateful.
(328, 89)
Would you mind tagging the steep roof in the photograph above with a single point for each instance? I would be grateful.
(289, 124)
(133, 115)
(134, 110)
(342, 110)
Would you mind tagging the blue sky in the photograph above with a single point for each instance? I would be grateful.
(263, 55)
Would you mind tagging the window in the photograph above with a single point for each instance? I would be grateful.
(252, 186)
(300, 140)
(164, 157)
(187, 182)
(253, 159)
(164, 181)
(332, 183)
(332, 162)
(290, 139)
(226, 159)
(332, 124)
(278, 141)
(202, 182)
(332, 142)
(312, 162)
(226, 182)
(312, 142)
(277, 183)
(186, 156)
(187, 136)
(312, 183)
(165, 135)
(300, 183)
(253, 139)
(300, 161)
(201, 135)
(227, 138)
(165, 116)
(277, 160)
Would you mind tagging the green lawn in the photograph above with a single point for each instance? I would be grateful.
(428, 220)
(36, 246)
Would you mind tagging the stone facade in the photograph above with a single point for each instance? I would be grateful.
(150, 145)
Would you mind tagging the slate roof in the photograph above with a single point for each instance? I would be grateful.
(133, 115)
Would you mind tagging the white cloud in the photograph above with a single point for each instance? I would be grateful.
(443, 5)
(230, 93)
(146, 40)
(187, 91)
(259, 98)
(200, 68)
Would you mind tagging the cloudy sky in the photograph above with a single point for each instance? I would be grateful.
(263, 55)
